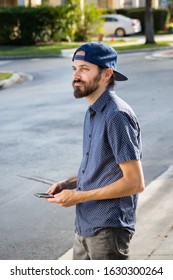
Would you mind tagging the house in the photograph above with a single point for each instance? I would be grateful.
(5, 3)
(114, 4)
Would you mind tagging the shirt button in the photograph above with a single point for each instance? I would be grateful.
(87, 154)
(89, 135)
(83, 171)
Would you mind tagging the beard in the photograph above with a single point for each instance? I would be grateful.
(88, 87)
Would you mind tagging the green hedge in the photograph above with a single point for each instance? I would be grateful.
(159, 16)
(32, 25)
(28, 26)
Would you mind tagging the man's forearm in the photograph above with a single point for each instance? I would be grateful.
(117, 189)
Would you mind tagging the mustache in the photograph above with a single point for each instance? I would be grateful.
(78, 81)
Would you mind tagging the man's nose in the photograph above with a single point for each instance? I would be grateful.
(77, 74)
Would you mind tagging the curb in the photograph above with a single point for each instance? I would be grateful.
(6, 57)
(146, 49)
(68, 53)
(14, 79)
(9, 82)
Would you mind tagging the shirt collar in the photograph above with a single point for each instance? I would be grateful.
(100, 103)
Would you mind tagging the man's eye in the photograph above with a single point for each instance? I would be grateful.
(80, 70)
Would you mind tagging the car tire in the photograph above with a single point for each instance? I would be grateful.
(120, 32)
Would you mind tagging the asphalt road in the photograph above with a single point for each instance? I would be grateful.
(41, 137)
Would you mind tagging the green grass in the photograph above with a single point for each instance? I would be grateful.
(36, 50)
(4, 76)
(120, 41)
(143, 46)
(55, 49)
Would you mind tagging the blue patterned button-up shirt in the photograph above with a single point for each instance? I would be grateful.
(111, 136)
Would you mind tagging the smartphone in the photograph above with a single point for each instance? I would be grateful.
(44, 195)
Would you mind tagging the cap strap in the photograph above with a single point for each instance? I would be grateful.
(79, 57)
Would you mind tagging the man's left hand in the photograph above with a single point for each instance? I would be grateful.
(65, 198)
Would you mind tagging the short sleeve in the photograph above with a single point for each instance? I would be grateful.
(124, 137)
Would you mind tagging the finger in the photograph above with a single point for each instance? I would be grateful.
(52, 189)
(49, 191)
(51, 200)
(55, 200)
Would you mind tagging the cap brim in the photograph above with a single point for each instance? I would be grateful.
(120, 77)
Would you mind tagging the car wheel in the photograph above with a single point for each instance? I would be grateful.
(120, 32)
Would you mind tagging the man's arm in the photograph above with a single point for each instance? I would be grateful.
(131, 183)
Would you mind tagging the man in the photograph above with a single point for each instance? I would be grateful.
(110, 175)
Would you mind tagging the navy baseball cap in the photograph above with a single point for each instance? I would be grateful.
(101, 55)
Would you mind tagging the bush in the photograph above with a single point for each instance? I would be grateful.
(91, 25)
(32, 25)
(28, 26)
(8, 25)
(160, 19)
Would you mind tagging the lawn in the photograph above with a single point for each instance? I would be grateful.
(36, 50)
(55, 49)
(5, 75)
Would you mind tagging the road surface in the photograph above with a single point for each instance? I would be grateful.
(41, 137)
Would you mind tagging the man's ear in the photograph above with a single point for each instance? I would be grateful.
(108, 73)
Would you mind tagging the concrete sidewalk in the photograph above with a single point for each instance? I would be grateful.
(153, 239)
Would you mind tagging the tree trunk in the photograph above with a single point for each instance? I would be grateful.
(29, 3)
(149, 25)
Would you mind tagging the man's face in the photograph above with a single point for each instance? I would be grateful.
(86, 77)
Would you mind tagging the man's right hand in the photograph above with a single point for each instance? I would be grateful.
(62, 185)
(56, 188)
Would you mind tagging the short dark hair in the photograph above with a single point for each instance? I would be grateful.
(111, 82)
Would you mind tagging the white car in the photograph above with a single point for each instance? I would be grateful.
(119, 25)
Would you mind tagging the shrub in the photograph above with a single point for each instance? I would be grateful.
(28, 25)
(32, 25)
(8, 25)
(91, 25)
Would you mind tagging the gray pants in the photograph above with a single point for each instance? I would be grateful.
(107, 244)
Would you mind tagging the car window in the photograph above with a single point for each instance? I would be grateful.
(109, 19)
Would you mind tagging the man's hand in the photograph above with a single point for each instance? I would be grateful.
(63, 185)
(66, 198)
(56, 188)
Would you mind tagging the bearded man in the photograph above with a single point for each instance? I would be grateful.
(110, 176)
